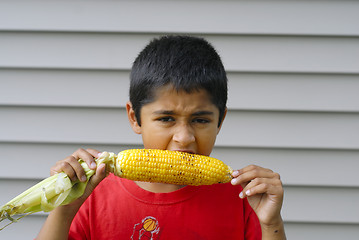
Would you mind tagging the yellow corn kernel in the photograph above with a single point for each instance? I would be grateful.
(173, 167)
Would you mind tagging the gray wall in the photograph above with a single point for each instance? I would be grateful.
(293, 71)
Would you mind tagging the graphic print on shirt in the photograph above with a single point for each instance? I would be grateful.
(148, 228)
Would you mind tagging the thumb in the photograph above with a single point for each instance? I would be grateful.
(99, 175)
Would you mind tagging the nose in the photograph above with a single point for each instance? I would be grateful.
(184, 135)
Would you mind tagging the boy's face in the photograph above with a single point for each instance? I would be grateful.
(178, 121)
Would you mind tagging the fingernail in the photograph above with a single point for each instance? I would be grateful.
(93, 165)
(248, 192)
(241, 195)
(235, 173)
(233, 181)
(104, 169)
(99, 154)
(83, 178)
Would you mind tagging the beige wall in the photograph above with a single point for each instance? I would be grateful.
(293, 70)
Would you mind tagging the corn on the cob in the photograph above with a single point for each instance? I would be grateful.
(148, 165)
(152, 165)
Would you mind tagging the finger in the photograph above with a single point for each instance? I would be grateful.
(237, 181)
(236, 173)
(53, 170)
(86, 156)
(95, 153)
(71, 167)
(252, 167)
(262, 185)
(246, 178)
(246, 175)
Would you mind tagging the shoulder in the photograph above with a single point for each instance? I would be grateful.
(225, 195)
(223, 188)
(108, 185)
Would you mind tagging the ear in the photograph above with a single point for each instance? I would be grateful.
(132, 118)
(220, 125)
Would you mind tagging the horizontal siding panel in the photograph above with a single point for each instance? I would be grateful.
(302, 204)
(70, 50)
(288, 54)
(26, 228)
(290, 130)
(247, 91)
(320, 204)
(232, 17)
(298, 92)
(41, 87)
(239, 53)
(33, 161)
(294, 164)
(66, 125)
(241, 128)
(300, 231)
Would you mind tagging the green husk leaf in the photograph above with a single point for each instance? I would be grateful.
(50, 193)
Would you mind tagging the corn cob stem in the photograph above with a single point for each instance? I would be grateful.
(148, 165)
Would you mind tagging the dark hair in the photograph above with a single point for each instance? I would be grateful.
(187, 63)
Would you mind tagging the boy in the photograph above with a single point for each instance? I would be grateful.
(178, 95)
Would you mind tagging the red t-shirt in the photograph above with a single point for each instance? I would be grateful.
(119, 209)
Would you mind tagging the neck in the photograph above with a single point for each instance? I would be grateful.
(158, 187)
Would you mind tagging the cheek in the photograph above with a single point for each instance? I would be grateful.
(206, 142)
(155, 139)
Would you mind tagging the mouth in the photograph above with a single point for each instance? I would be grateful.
(186, 151)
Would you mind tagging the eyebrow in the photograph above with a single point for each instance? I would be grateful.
(168, 112)
(201, 113)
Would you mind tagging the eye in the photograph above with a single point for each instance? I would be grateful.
(201, 120)
(166, 119)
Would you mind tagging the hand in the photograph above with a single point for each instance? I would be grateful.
(58, 222)
(74, 170)
(264, 191)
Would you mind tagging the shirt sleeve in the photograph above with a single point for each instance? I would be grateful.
(79, 228)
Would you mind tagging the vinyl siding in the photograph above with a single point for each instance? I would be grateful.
(293, 69)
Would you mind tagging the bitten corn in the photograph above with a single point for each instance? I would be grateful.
(152, 165)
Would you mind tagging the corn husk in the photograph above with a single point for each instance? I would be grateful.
(50, 193)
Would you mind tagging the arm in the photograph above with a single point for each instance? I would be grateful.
(264, 191)
(58, 223)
